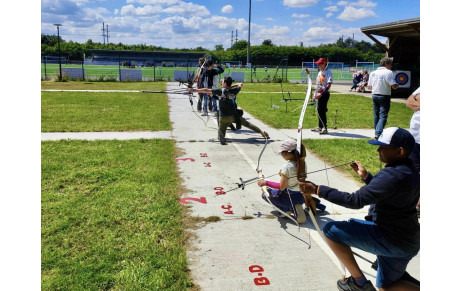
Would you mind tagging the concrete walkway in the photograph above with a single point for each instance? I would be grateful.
(248, 248)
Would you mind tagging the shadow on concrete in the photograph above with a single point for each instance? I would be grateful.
(347, 135)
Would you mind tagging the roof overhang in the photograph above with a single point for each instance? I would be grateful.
(409, 29)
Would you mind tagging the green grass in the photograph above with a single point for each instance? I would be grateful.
(352, 111)
(111, 217)
(167, 73)
(88, 85)
(95, 111)
(339, 151)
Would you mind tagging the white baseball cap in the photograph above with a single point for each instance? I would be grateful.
(287, 146)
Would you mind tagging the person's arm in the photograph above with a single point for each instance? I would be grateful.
(413, 102)
(237, 85)
(201, 90)
(395, 86)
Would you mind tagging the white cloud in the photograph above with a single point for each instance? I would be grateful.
(295, 15)
(148, 10)
(155, 2)
(227, 9)
(351, 13)
(331, 9)
(187, 9)
(276, 30)
(358, 3)
(269, 19)
(299, 3)
(329, 14)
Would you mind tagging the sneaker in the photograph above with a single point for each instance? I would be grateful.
(318, 129)
(221, 137)
(349, 285)
(301, 218)
(204, 114)
(199, 111)
(266, 135)
(324, 131)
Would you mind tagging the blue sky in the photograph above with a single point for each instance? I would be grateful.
(188, 24)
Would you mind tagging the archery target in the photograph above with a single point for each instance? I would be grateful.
(403, 78)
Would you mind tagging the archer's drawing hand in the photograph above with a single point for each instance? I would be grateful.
(359, 169)
(308, 187)
(190, 90)
(261, 183)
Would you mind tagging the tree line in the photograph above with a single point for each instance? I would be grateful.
(347, 51)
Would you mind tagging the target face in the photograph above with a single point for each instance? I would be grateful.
(402, 78)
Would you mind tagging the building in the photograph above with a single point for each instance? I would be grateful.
(144, 58)
(403, 44)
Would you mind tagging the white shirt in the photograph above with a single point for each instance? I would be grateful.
(381, 81)
(323, 78)
(415, 122)
(289, 170)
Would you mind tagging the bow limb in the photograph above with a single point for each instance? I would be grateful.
(301, 153)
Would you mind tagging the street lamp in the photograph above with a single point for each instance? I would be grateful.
(248, 60)
(59, 52)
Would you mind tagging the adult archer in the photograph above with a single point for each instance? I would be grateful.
(228, 112)
(323, 82)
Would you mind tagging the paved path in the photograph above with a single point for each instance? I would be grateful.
(248, 248)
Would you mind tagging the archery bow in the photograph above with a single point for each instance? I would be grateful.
(309, 202)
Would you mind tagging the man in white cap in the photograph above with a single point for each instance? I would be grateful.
(392, 230)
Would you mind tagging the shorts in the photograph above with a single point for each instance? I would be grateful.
(366, 236)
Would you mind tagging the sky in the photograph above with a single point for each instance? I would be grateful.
(207, 23)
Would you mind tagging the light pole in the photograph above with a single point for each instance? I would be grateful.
(59, 52)
(248, 60)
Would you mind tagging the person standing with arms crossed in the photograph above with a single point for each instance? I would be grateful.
(323, 84)
(381, 81)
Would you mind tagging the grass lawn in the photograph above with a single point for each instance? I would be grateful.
(96, 111)
(339, 151)
(111, 217)
(352, 111)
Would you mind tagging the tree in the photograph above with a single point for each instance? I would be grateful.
(240, 45)
(268, 42)
(219, 47)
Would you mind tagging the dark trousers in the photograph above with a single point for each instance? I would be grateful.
(322, 109)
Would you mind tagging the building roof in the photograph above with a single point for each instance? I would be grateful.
(409, 28)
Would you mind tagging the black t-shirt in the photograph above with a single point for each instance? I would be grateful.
(227, 104)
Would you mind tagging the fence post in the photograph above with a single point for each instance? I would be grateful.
(154, 69)
(83, 68)
(119, 68)
(44, 57)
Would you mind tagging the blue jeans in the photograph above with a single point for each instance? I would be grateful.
(381, 109)
(366, 236)
(214, 104)
(205, 102)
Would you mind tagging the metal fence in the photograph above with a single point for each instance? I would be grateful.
(81, 71)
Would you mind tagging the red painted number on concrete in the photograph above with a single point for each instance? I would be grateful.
(219, 190)
(203, 155)
(185, 159)
(260, 280)
(227, 208)
(207, 164)
(186, 199)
